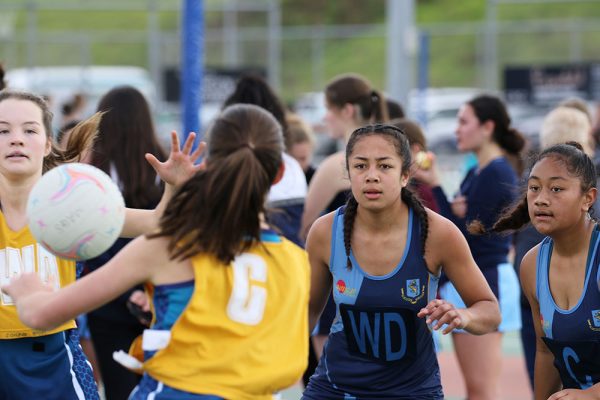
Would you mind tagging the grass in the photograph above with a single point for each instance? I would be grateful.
(455, 60)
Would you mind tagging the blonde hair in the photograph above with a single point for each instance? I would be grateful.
(298, 130)
(564, 124)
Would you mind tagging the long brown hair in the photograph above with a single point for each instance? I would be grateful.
(357, 90)
(80, 141)
(218, 210)
(125, 134)
(491, 108)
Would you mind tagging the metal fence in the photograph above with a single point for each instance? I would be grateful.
(297, 59)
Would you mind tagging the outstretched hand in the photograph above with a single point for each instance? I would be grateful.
(28, 293)
(180, 166)
(439, 313)
(25, 284)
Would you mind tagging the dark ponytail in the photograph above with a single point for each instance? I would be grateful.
(218, 210)
(357, 90)
(491, 108)
(512, 219)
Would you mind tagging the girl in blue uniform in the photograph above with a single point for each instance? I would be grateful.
(382, 255)
(484, 128)
(560, 275)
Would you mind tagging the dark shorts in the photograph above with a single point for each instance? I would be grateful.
(51, 367)
(150, 388)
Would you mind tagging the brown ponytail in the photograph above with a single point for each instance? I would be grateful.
(218, 210)
(357, 90)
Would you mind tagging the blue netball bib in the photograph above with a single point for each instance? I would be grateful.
(383, 334)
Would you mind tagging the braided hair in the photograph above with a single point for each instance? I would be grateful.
(578, 164)
(397, 137)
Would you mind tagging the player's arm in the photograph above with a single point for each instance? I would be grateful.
(547, 379)
(318, 246)
(175, 171)
(446, 246)
(42, 308)
(323, 187)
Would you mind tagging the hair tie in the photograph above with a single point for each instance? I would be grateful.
(374, 97)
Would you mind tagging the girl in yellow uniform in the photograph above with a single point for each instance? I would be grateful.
(230, 296)
(48, 363)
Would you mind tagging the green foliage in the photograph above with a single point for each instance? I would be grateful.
(307, 64)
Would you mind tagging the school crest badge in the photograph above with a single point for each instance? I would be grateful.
(596, 318)
(412, 288)
(413, 291)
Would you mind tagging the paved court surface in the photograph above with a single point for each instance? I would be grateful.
(514, 384)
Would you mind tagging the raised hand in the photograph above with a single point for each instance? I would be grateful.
(181, 164)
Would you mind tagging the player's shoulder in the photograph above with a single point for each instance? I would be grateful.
(322, 227)
(440, 226)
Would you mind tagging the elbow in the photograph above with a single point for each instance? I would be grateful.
(38, 321)
(486, 320)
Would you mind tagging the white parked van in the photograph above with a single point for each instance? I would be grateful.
(60, 84)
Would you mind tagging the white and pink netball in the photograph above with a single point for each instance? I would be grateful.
(76, 211)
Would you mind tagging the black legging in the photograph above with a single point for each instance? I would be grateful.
(108, 337)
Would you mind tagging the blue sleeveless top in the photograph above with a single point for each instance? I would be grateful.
(572, 335)
(378, 347)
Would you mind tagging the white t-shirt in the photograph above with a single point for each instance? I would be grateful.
(292, 187)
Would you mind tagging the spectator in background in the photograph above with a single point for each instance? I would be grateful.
(582, 106)
(73, 109)
(302, 143)
(596, 133)
(418, 149)
(288, 195)
(394, 109)
(561, 125)
(484, 128)
(125, 134)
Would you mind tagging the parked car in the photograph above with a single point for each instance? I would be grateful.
(59, 84)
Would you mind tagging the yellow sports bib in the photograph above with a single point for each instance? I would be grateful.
(244, 333)
(19, 253)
